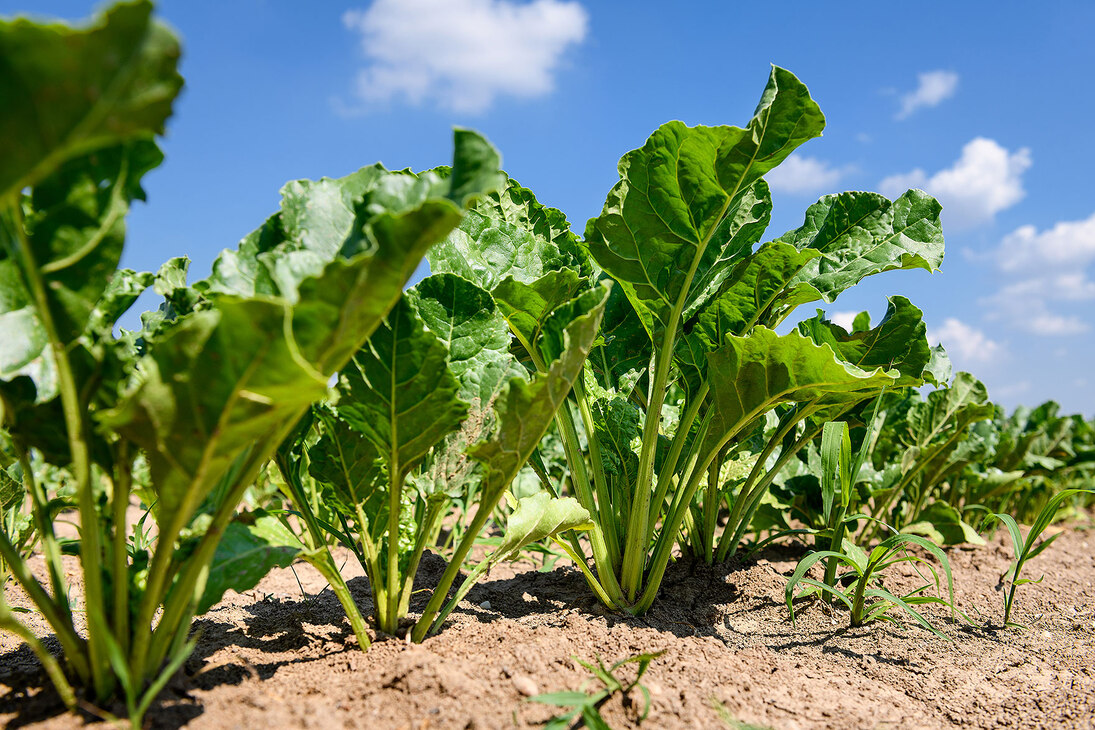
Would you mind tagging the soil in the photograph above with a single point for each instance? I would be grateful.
(275, 657)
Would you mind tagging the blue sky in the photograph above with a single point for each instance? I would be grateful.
(988, 107)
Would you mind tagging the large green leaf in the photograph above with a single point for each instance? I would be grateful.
(467, 322)
(399, 391)
(75, 228)
(750, 291)
(67, 92)
(859, 234)
(525, 409)
(350, 473)
(526, 307)
(249, 550)
(946, 414)
(750, 375)
(665, 223)
(898, 342)
(218, 384)
(508, 233)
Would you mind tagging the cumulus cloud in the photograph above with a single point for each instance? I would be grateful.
(805, 175)
(844, 319)
(1046, 267)
(462, 54)
(965, 344)
(1068, 245)
(986, 179)
(934, 88)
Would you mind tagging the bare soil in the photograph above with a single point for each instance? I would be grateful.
(276, 658)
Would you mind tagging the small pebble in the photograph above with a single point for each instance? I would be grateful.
(525, 685)
(485, 605)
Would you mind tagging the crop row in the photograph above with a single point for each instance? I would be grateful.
(622, 397)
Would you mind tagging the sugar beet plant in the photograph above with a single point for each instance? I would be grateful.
(434, 407)
(689, 370)
(203, 395)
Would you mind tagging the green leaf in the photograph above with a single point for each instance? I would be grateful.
(525, 409)
(508, 233)
(12, 492)
(899, 342)
(350, 473)
(750, 375)
(616, 420)
(860, 234)
(467, 322)
(67, 92)
(537, 518)
(75, 228)
(665, 224)
(942, 523)
(749, 292)
(216, 385)
(399, 391)
(527, 306)
(247, 552)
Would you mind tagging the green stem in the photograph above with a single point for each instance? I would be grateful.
(51, 550)
(324, 563)
(120, 503)
(441, 592)
(605, 509)
(435, 510)
(74, 647)
(48, 661)
(177, 611)
(669, 466)
(76, 428)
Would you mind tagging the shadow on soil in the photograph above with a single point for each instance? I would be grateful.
(314, 627)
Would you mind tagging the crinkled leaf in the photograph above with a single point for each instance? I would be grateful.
(860, 234)
(898, 342)
(67, 91)
(667, 218)
(467, 322)
(399, 391)
(527, 306)
(350, 473)
(508, 233)
(749, 293)
(75, 227)
(216, 385)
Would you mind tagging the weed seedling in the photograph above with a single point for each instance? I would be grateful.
(1026, 549)
(588, 705)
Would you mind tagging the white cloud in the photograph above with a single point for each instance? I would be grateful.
(1052, 267)
(986, 179)
(799, 175)
(1068, 244)
(1024, 305)
(844, 319)
(934, 88)
(462, 54)
(965, 344)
